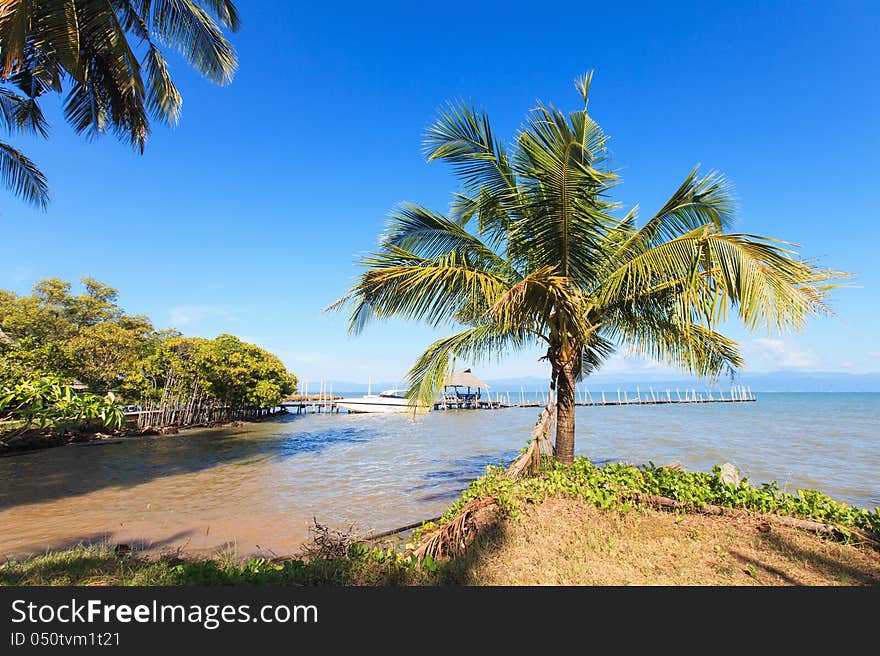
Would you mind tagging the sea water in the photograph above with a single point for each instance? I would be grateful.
(258, 488)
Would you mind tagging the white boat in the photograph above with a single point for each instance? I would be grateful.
(393, 400)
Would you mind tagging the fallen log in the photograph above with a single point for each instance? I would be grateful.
(394, 531)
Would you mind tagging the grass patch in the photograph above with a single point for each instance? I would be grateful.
(105, 565)
(611, 487)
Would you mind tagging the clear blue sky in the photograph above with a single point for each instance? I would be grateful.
(248, 217)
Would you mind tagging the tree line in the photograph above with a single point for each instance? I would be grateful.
(55, 345)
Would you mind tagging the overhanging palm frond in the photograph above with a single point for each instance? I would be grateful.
(163, 98)
(462, 136)
(693, 347)
(757, 275)
(428, 234)
(224, 11)
(594, 351)
(477, 344)
(86, 43)
(20, 114)
(192, 31)
(697, 202)
(399, 283)
(23, 177)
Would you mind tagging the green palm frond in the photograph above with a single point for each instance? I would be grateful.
(86, 43)
(23, 177)
(476, 344)
(193, 32)
(398, 283)
(697, 202)
(224, 11)
(428, 234)
(163, 98)
(462, 136)
(758, 275)
(20, 114)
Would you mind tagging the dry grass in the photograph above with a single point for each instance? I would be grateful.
(567, 542)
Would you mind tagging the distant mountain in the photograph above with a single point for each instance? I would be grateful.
(777, 381)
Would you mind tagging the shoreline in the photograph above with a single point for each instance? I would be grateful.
(37, 439)
(561, 540)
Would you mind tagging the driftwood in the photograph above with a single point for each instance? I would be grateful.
(666, 503)
(395, 531)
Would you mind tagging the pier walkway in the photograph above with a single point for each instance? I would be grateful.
(326, 404)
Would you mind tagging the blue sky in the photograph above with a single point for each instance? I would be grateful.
(248, 217)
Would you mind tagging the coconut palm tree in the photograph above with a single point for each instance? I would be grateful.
(106, 57)
(534, 251)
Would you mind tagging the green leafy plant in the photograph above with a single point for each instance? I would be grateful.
(613, 486)
(44, 401)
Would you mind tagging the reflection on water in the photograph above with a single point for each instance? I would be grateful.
(260, 486)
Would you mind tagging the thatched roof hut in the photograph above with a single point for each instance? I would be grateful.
(465, 378)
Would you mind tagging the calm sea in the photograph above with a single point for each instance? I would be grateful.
(257, 489)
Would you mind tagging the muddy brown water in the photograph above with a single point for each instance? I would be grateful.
(256, 489)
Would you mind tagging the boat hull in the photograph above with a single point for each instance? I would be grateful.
(377, 405)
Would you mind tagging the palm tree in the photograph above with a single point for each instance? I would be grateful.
(534, 253)
(105, 56)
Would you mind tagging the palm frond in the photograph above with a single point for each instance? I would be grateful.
(399, 283)
(163, 98)
(477, 344)
(565, 217)
(224, 11)
(697, 202)
(694, 348)
(757, 275)
(191, 30)
(427, 234)
(20, 114)
(22, 177)
(462, 136)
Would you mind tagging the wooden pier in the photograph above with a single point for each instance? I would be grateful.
(326, 403)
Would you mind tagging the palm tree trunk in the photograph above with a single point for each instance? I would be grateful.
(565, 413)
